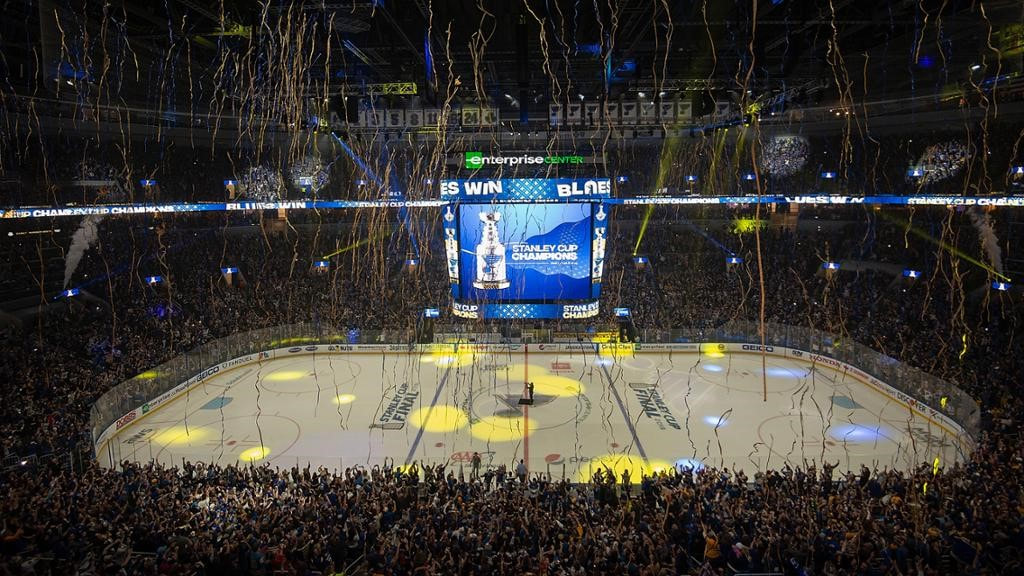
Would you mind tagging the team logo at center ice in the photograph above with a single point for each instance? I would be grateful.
(558, 399)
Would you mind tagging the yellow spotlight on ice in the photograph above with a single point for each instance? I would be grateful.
(405, 468)
(285, 375)
(619, 463)
(148, 375)
(712, 350)
(658, 466)
(344, 399)
(440, 418)
(554, 385)
(501, 428)
(458, 359)
(254, 454)
(177, 435)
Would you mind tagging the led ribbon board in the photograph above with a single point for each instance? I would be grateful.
(520, 311)
(526, 189)
(551, 194)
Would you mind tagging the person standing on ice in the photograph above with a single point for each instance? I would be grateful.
(475, 474)
(521, 471)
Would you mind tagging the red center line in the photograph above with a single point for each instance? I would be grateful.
(526, 407)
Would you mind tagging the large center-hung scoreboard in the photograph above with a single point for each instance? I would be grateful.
(526, 247)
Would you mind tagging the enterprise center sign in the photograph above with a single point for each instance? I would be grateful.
(475, 160)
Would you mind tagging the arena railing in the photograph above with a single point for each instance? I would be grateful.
(921, 388)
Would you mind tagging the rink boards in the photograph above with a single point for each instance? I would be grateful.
(641, 407)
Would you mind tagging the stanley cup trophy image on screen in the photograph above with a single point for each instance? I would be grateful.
(490, 256)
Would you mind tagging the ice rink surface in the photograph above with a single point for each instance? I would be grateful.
(642, 412)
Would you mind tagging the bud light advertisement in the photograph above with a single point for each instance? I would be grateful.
(525, 252)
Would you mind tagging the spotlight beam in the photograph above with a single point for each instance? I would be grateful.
(351, 247)
(944, 246)
(403, 212)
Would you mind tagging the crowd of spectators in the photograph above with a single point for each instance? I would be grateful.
(310, 174)
(784, 155)
(262, 183)
(203, 519)
(199, 519)
(941, 162)
(69, 356)
(881, 164)
(91, 169)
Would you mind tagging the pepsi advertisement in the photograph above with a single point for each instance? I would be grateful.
(515, 252)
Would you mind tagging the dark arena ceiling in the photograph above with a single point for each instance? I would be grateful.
(278, 79)
(881, 49)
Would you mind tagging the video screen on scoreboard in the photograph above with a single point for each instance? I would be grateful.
(524, 252)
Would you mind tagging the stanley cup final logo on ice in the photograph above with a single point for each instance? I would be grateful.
(490, 256)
